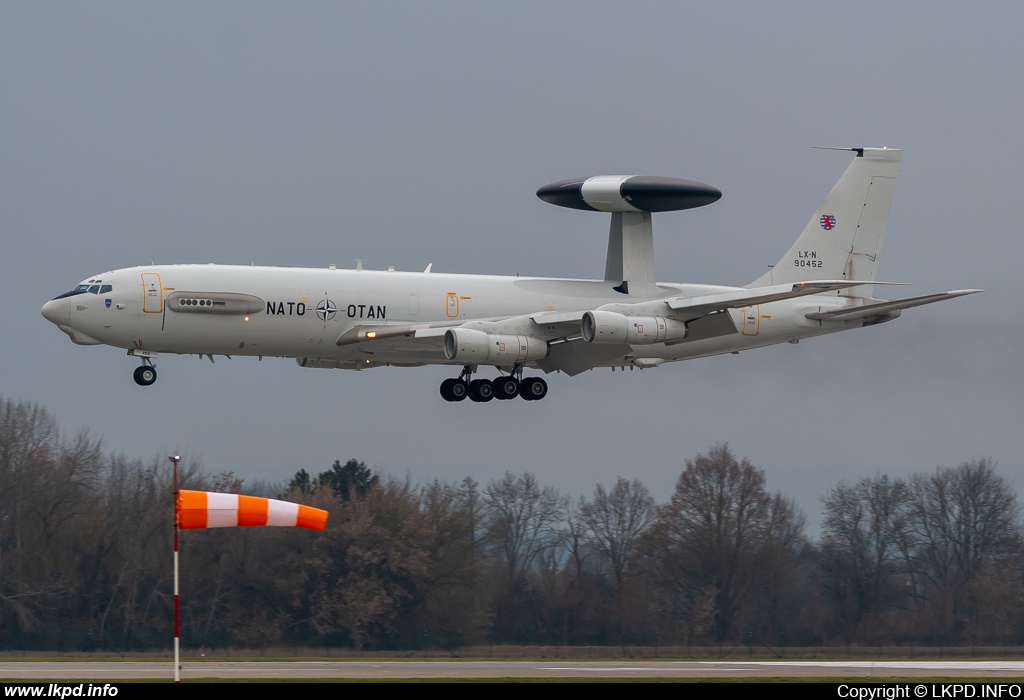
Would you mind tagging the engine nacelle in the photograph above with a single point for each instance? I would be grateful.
(477, 347)
(609, 327)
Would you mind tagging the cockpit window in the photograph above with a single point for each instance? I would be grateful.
(91, 286)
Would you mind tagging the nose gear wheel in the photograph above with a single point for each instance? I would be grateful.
(144, 375)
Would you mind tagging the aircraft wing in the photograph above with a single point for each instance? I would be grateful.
(555, 325)
(691, 308)
(424, 342)
(884, 307)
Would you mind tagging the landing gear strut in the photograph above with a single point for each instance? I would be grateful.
(502, 388)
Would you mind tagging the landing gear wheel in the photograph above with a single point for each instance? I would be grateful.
(505, 388)
(453, 390)
(144, 375)
(481, 390)
(534, 389)
(460, 389)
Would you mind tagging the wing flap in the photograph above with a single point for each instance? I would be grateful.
(882, 307)
(577, 357)
(710, 326)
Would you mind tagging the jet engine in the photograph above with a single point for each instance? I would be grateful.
(615, 328)
(477, 347)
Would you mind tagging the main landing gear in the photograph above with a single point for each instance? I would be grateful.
(502, 388)
(145, 374)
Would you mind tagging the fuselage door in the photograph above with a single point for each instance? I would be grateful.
(751, 320)
(451, 305)
(152, 294)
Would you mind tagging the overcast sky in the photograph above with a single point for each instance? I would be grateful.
(413, 133)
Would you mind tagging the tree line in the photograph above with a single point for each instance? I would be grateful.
(85, 558)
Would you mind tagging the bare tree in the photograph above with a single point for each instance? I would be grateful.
(523, 524)
(370, 563)
(961, 517)
(615, 521)
(449, 612)
(782, 584)
(862, 552)
(717, 537)
(523, 520)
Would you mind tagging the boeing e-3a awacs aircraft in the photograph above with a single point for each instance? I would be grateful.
(357, 319)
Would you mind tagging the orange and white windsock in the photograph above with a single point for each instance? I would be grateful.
(202, 509)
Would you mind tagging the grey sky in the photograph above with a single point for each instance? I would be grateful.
(410, 133)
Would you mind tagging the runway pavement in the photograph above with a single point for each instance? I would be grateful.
(874, 670)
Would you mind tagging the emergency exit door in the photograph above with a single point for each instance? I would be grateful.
(152, 294)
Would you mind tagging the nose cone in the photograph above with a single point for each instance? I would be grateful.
(57, 311)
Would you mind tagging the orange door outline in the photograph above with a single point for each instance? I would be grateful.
(152, 293)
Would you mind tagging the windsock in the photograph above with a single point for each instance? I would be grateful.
(202, 509)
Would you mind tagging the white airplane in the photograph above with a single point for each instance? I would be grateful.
(357, 319)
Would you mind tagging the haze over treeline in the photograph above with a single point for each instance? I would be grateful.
(85, 557)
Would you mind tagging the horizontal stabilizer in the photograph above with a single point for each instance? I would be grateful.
(882, 307)
(695, 307)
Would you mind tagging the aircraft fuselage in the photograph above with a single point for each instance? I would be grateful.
(301, 312)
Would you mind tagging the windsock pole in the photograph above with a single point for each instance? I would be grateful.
(195, 510)
(177, 656)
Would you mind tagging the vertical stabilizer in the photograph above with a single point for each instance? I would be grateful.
(844, 237)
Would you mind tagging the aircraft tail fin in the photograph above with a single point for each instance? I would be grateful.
(843, 239)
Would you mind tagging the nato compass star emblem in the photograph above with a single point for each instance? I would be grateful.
(326, 310)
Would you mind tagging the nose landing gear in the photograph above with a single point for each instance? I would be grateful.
(144, 375)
